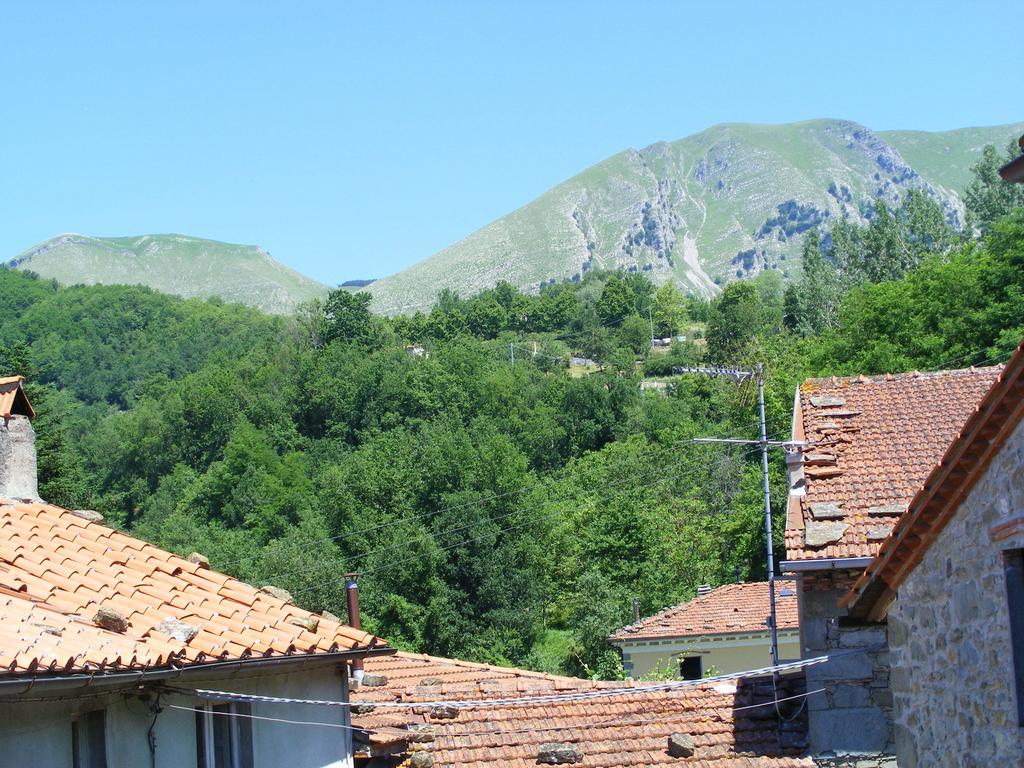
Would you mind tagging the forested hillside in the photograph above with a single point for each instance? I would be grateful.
(500, 502)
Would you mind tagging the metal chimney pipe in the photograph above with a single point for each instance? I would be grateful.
(352, 600)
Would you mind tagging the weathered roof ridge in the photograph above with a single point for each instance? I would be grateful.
(629, 728)
(869, 443)
(58, 569)
(879, 378)
(933, 506)
(712, 609)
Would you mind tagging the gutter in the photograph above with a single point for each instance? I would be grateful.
(825, 564)
(21, 685)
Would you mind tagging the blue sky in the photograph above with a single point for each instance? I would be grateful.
(352, 140)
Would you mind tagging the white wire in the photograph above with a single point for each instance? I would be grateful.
(601, 724)
(522, 701)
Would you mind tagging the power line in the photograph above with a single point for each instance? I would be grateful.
(525, 701)
(447, 733)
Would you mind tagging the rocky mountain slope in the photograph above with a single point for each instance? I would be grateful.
(185, 266)
(728, 202)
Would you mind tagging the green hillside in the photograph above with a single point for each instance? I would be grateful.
(728, 202)
(175, 264)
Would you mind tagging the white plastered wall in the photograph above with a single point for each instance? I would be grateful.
(38, 734)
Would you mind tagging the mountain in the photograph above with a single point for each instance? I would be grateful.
(728, 202)
(185, 266)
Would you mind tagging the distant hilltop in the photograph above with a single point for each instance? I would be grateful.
(176, 264)
(725, 203)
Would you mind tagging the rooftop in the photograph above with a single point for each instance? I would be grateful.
(937, 501)
(628, 729)
(870, 444)
(58, 569)
(12, 397)
(729, 609)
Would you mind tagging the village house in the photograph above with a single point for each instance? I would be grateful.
(104, 640)
(949, 581)
(869, 443)
(730, 724)
(720, 631)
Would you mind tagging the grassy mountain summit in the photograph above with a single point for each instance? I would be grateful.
(728, 202)
(175, 264)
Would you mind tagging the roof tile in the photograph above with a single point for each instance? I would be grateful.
(625, 730)
(62, 567)
(886, 437)
(729, 609)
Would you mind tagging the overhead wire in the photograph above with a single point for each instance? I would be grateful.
(660, 718)
(524, 701)
(446, 732)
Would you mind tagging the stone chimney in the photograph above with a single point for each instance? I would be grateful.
(17, 442)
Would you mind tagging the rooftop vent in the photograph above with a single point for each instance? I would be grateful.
(703, 589)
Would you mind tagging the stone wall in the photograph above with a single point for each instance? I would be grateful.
(852, 718)
(952, 678)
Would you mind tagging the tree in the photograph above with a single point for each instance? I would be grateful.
(347, 317)
(988, 197)
(669, 310)
(736, 317)
(617, 301)
(813, 302)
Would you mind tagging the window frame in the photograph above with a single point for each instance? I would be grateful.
(233, 719)
(1013, 571)
(85, 728)
(700, 666)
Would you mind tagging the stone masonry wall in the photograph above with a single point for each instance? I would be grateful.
(949, 634)
(850, 723)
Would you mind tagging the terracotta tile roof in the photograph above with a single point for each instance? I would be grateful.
(625, 730)
(12, 397)
(57, 570)
(871, 442)
(729, 609)
(936, 502)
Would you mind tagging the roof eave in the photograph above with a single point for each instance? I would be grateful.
(23, 684)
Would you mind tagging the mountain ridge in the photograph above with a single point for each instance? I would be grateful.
(172, 263)
(728, 201)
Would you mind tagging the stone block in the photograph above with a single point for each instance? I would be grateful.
(815, 632)
(827, 510)
(849, 730)
(827, 402)
(680, 745)
(559, 754)
(821, 603)
(856, 667)
(862, 637)
(888, 510)
(850, 696)
(819, 534)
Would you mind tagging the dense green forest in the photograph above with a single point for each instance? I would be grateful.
(500, 502)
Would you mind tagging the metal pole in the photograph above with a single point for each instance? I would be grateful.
(650, 317)
(767, 515)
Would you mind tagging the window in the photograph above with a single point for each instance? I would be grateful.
(690, 668)
(89, 740)
(1014, 561)
(224, 736)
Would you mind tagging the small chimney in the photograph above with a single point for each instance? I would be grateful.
(17, 443)
(703, 589)
(352, 598)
